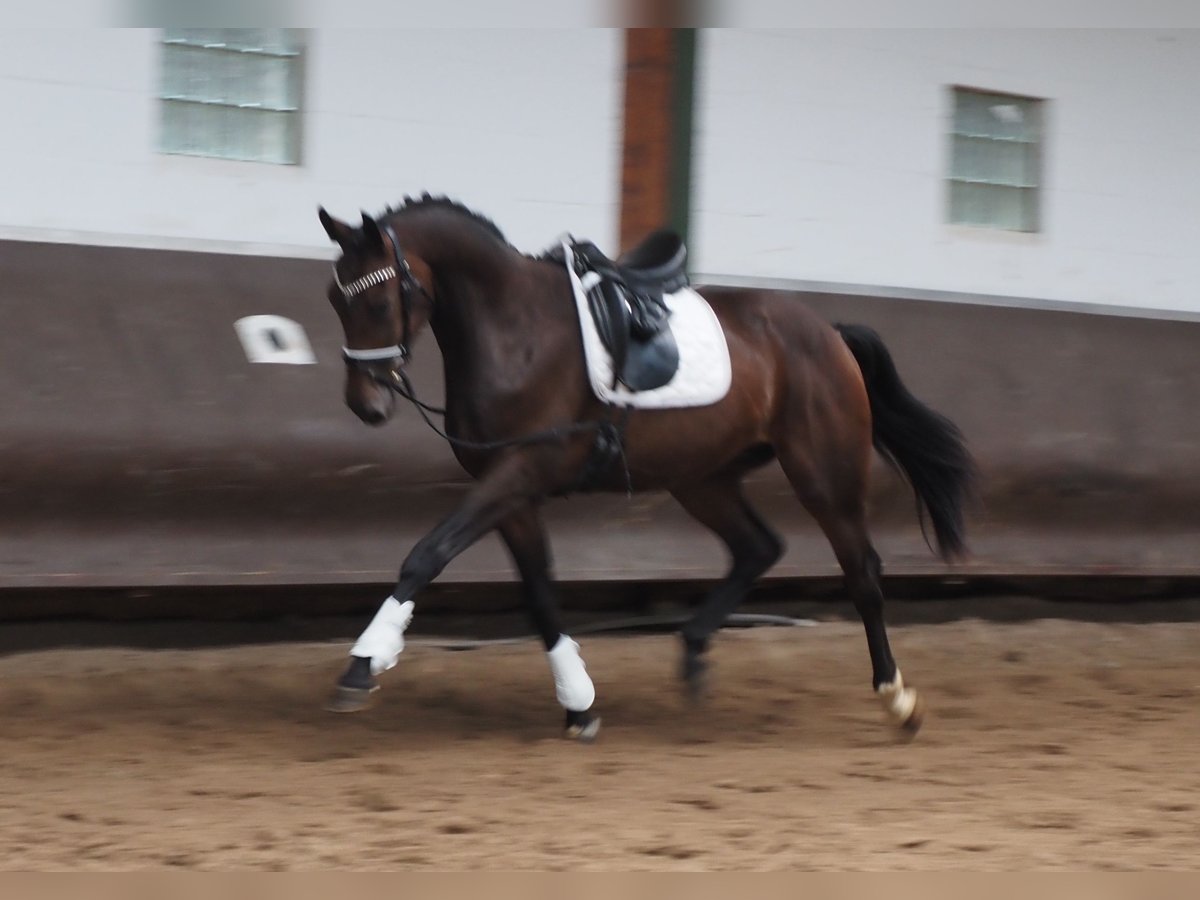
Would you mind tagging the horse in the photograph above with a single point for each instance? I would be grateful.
(523, 420)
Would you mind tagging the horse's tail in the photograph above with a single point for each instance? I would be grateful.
(922, 444)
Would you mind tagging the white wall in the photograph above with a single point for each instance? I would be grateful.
(821, 156)
(521, 125)
(820, 153)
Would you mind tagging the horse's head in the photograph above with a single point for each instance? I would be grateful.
(381, 298)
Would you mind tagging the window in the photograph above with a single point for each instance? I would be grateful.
(995, 160)
(232, 93)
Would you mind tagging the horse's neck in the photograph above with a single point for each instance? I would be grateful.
(487, 328)
(471, 300)
(503, 322)
(460, 252)
(495, 327)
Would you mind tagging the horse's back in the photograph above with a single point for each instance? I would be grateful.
(762, 321)
(811, 369)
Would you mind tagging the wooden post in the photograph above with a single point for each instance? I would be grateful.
(656, 149)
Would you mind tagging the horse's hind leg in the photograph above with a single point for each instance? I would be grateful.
(525, 538)
(863, 568)
(720, 505)
(836, 497)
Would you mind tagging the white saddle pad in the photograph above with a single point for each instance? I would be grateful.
(704, 373)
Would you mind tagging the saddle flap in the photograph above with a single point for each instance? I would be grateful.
(611, 314)
(651, 363)
(627, 303)
(637, 336)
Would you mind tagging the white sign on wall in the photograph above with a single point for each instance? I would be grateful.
(274, 339)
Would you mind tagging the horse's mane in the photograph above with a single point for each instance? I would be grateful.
(429, 201)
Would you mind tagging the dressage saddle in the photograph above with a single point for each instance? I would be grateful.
(626, 299)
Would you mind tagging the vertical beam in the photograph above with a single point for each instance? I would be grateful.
(681, 120)
(656, 149)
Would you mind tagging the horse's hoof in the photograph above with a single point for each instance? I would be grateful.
(904, 705)
(350, 699)
(916, 718)
(582, 727)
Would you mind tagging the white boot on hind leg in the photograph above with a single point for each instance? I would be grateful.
(903, 705)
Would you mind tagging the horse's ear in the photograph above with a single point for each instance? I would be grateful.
(371, 231)
(339, 232)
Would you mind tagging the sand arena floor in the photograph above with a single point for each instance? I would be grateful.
(1048, 744)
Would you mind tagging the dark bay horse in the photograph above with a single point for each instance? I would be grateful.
(518, 404)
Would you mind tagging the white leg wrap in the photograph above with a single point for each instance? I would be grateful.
(383, 639)
(898, 700)
(572, 684)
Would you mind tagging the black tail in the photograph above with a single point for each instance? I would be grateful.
(925, 446)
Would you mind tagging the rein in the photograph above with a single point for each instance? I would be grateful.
(610, 435)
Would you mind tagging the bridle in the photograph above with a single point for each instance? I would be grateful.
(365, 359)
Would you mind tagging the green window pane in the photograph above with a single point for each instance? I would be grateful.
(231, 93)
(995, 160)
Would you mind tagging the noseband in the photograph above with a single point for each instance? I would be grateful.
(396, 353)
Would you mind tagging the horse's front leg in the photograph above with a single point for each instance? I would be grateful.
(525, 537)
(506, 489)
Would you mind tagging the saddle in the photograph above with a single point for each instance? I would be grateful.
(626, 299)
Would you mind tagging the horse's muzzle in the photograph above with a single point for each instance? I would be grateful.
(371, 415)
(369, 398)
